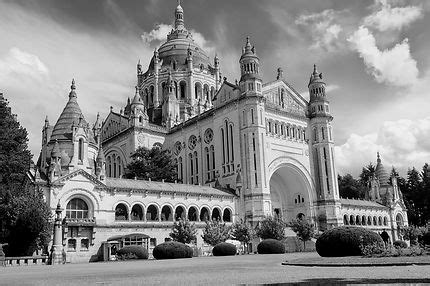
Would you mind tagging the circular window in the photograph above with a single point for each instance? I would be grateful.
(209, 135)
(192, 142)
(178, 147)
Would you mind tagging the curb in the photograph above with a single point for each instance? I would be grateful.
(355, 265)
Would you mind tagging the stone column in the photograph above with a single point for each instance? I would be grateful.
(57, 245)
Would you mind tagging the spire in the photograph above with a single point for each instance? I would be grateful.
(72, 89)
(179, 17)
(378, 157)
(315, 76)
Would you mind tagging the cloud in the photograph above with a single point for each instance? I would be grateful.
(385, 17)
(391, 66)
(17, 62)
(160, 31)
(402, 143)
(324, 29)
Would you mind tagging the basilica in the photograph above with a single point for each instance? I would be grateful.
(244, 150)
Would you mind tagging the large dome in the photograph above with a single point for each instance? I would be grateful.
(175, 50)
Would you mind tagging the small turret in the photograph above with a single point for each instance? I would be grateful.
(97, 128)
(280, 73)
(318, 103)
(179, 17)
(250, 80)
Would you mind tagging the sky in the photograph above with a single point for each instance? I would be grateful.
(374, 56)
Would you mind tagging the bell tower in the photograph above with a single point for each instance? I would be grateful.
(250, 80)
(322, 150)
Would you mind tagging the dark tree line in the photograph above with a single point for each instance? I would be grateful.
(415, 188)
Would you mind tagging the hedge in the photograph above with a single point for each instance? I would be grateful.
(426, 238)
(270, 246)
(172, 250)
(224, 249)
(400, 244)
(132, 252)
(346, 241)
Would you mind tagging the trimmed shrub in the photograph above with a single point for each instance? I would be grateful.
(224, 249)
(132, 252)
(172, 250)
(400, 244)
(346, 241)
(270, 246)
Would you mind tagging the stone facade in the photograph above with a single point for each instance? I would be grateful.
(244, 150)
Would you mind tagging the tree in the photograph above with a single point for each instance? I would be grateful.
(15, 157)
(366, 174)
(412, 233)
(271, 227)
(242, 232)
(215, 232)
(29, 224)
(155, 164)
(350, 187)
(303, 229)
(183, 231)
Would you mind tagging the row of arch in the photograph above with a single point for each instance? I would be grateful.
(365, 220)
(285, 130)
(168, 213)
(201, 91)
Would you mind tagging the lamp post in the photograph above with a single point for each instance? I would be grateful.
(57, 245)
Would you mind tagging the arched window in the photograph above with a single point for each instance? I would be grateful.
(226, 216)
(196, 166)
(345, 220)
(180, 167)
(204, 214)
(109, 164)
(121, 212)
(208, 164)
(385, 221)
(213, 161)
(179, 213)
(369, 220)
(183, 89)
(152, 213)
(206, 92)
(216, 214)
(114, 166)
(379, 220)
(399, 220)
(198, 90)
(231, 146)
(374, 221)
(77, 208)
(190, 156)
(137, 212)
(363, 220)
(351, 220)
(192, 214)
(166, 214)
(81, 150)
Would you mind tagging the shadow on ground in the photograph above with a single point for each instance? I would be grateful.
(340, 281)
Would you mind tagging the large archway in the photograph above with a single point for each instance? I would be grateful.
(290, 193)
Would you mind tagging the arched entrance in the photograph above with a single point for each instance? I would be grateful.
(290, 192)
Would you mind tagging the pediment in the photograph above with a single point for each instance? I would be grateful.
(226, 93)
(281, 95)
(80, 175)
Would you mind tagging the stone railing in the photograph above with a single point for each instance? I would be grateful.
(26, 260)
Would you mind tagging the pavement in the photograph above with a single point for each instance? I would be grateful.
(234, 270)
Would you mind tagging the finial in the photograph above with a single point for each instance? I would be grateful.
(46, 119)
(137, 89)
(73, 86)
(179, 2)
(315, 69)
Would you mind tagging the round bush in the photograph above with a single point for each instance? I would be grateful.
(346, 241)
(400, 244)
(270, 246)
(224, 249)
(132, 252)
(172, 250)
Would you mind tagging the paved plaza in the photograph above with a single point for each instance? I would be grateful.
(245, 269)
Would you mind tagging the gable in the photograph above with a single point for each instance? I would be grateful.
(281, 95)
(226, 93)
(81, 176)
(114, 124)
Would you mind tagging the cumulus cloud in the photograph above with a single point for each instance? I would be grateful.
(403, 144)
(393, 66)
(324, 28)
(385, 17)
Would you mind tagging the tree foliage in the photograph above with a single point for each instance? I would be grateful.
(242, 232)
(155, 164)
(215, 232)
(29, 224)
(15, 157)
(367, 173)
(350, 187)
(183, 231)
(271, 227)
(303, 229)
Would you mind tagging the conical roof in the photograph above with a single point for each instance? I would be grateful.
(381, 173)
(71, 114)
